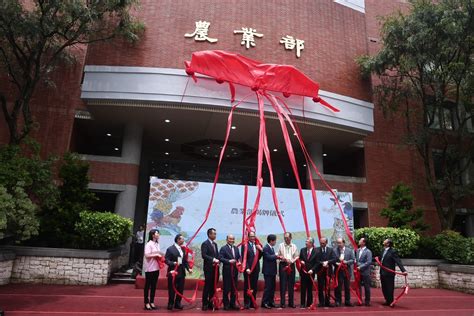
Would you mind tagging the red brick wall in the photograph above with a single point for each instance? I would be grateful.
(115, 173)
(334, 35)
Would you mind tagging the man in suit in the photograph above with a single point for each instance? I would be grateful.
(389, 259)
(289, 253)
(210, 256)
(254, 253)
(325, 259)
(308, 264)
(344, 255)
(269, 271)
(229, 256)
(364, 265)
(177, 262)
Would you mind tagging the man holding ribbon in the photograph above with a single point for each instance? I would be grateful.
(364, 265)
(325, 259)
(289, 254)
(177, 263)
(345, 260)
(210, 256)
(252, 270)
(307, 272)
(229, 256)
(387, 278)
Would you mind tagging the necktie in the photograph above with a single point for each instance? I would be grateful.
(360, 253)
(384, 253)
(309, 253)
(232, 249)
(214, 247)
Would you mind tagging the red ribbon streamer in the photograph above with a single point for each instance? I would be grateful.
(193, 297)
(405, 287)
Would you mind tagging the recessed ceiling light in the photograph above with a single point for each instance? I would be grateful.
(215, 156)
(274, 149)
(304, 165)
(167, 153)
(234, 127)
(108, 134)
(167, 139)
(167, 121)
(205, 154)
(208, 147)
(116, 148)
(324, 155)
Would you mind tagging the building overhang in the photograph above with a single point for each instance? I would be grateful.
(146, 85)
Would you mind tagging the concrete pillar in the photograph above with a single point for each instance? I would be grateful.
(316, 153)
(131, 152)
(470, 225)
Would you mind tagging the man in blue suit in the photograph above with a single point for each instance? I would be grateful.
(254, 253)
(269, 271)
(229, 256)
(364, 265)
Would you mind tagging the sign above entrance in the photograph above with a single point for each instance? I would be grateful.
(249, 35)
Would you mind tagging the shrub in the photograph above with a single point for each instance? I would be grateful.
(400, 210)
(404, 240)
(18, 219)
(102, 230)
(455, 248)
(426, 249)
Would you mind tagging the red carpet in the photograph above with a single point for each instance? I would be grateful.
(58, 300)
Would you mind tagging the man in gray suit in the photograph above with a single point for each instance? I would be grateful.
(344, 255)
(364, 265)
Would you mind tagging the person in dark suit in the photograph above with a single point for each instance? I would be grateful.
(344, 255)
(254, 253)
(210, 256)
(177, 263)
(389, 258)
(325, 259)
(364, 265)
(229, 256)
(308, 263)
(269, 271)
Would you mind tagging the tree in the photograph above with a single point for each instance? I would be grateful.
(37, 35)
(426, 74)
(399, 210)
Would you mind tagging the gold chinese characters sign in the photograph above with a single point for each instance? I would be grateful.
(249, 34)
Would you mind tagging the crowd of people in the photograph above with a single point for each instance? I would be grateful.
(320, 267)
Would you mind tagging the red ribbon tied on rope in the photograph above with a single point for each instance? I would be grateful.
(405, 288)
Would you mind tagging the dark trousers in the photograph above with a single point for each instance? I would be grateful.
(173, 298)
(365, 282)
(253, 285)
(388, 285)
(269, 290)
(229, 289)
(343, 280)
(322, 295)
(287, 281)
(209, 287)
(151, 278)
(306, 289)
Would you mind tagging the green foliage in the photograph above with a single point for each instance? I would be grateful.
(426, 249)
(400, 212)
(404, 240)
(18, 220)
(455, 248)
(102, 230)
(57, 224)
(36, 36)
(24, 165)
(426, 72)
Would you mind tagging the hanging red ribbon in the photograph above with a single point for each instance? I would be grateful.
(187, 299)
(405, 288)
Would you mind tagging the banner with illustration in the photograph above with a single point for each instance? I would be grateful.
(179, 206)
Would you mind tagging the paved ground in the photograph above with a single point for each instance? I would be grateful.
(120, 299)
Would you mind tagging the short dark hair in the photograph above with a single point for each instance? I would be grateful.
(151, 233)
(390, 242)
(251, 232)
(177, 237)
(209, 231)
(271, 238)
(289, 234)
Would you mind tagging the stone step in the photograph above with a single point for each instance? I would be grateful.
(122, 274)
(117, 280)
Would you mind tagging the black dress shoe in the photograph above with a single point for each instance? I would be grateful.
(148, 307)
(367, 304)
(303, 306)
(226, 308)
(320, 305)
(291, 305)
(272, 305)
(170, 307)
(337, 304)
(153, 306)
(267, 306)
(204, 308)
(234, 308)
(282, 306)
(178, 307)
(329, 305)
(247, 307)
(349, 304)
(386, 304)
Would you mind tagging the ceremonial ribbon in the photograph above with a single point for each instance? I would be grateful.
(343, 266)
(173, 278)
(405, 287)
(215, 299)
